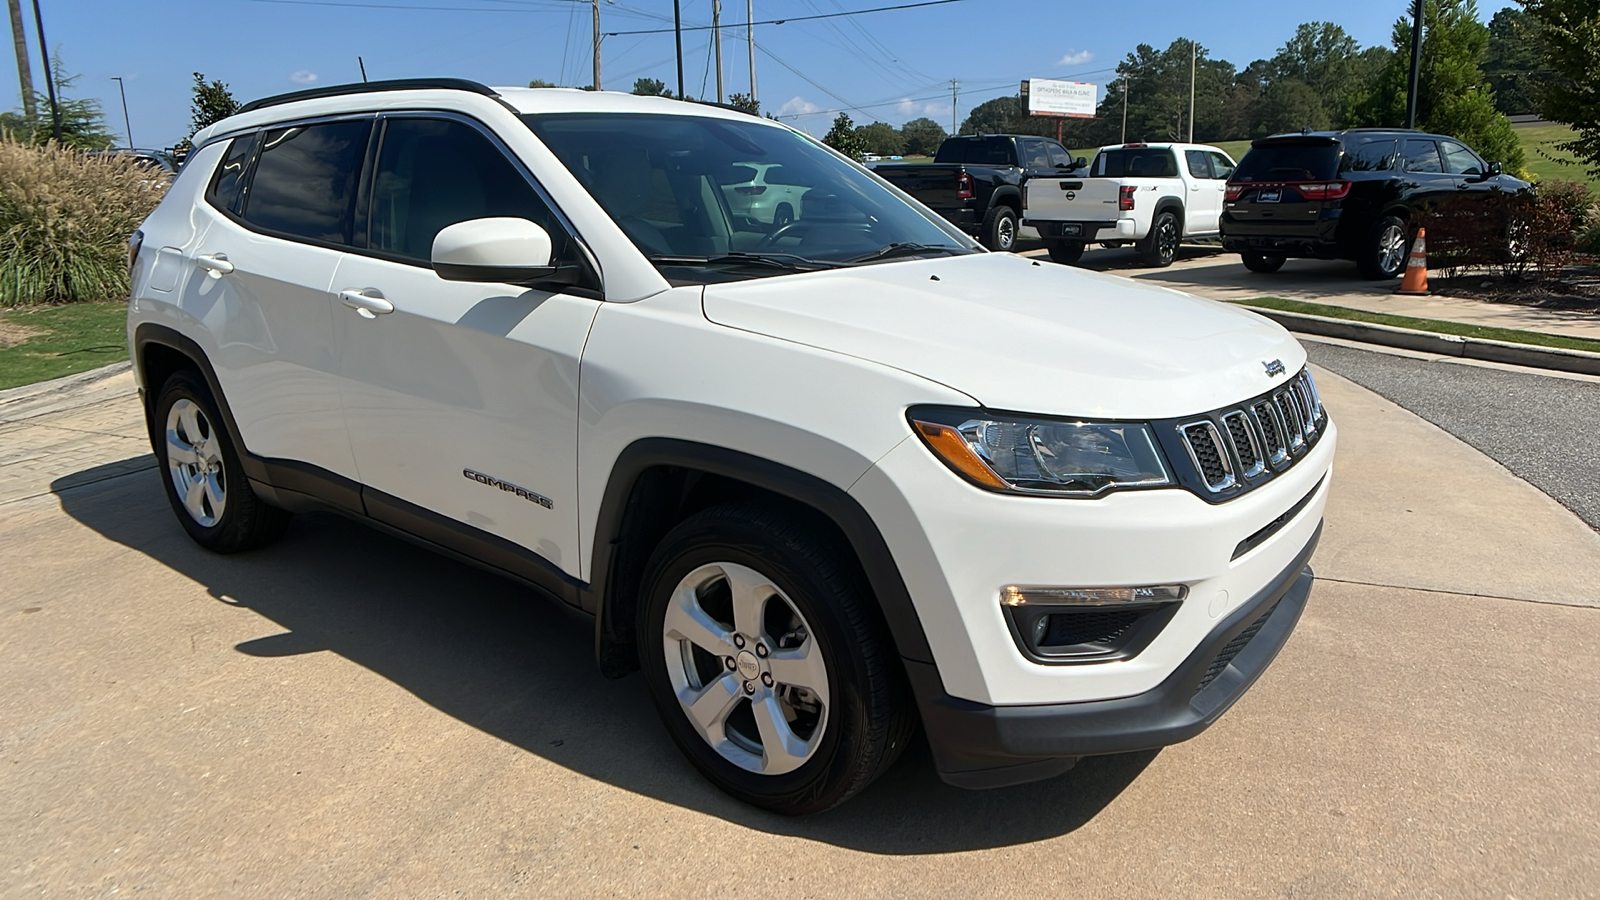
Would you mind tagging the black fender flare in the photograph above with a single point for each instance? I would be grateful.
(151, 333)
(853, 521)
(1004, 193)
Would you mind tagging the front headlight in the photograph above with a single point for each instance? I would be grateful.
(1042, 456)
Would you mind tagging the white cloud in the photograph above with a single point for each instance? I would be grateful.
(797, 106)
(1075, 58)
(303, 76)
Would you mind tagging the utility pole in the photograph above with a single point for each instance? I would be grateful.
(1124, 109)
(125, 123)
(1416, 63)
(597, 45)
(49, 80)
(750, 37)
(716, 40)
(1192, 54)
(19, 37)
(955, 92)
(677, 30)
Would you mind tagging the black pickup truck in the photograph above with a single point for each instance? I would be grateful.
(976, 181)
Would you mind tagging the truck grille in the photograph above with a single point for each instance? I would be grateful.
(1235, 448)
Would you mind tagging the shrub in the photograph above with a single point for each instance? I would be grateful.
(65, 218)
(1542, 228)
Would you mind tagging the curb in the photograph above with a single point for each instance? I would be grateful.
(1554, 358)
(63, 384)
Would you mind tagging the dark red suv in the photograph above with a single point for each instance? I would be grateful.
(1346, 195)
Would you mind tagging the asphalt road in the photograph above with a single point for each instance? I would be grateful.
(1539, 427)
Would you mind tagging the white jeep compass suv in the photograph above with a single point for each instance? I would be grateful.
(820, 479)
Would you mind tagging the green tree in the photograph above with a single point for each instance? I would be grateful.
(210, 102)
(1290, 104)
(881, 138)
(843, 138)
(1452, 96)
(651, 87)
(1570, 31)
(922, 136)
(1513, 61)
(746, 103)
(1156, 83)
(83, 123)
(541, 83)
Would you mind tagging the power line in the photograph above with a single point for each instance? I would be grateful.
(853, 12)
(495, 9)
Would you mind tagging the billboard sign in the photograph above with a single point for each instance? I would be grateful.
(1048, 97)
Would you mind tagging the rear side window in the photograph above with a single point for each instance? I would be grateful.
(1422, 156)
(228, 182)
(1199, 165)
(305, 180)
(978, 151)
(437, 172)
(1288, 162)
(1134, 162)
(1373, 156)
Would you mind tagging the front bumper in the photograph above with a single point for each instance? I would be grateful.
(976, 745)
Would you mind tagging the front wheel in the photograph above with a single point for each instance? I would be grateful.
(1160, 246)
(1066, 252)
(1000, 229)
(1265, 263)
(1385, 254)
(765, 659)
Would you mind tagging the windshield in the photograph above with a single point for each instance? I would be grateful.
(709, 199)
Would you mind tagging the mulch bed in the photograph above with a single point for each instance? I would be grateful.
(1575, 289)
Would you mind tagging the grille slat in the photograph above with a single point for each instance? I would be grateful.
(1234, 648)
(1208, 455)
(1236, 448)
(1245, 445)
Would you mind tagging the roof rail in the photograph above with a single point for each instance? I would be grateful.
(364, 87)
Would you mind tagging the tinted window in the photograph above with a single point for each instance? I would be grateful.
(305, 180)
(435, 172)
(1059, 158)
(1140, 162)
(1034, 155)
(1373, 156)
(1288, 162)
(1422, 156)
(1199, 164)
(1458, 160)
(978, 151)
(225, 184)
(1221, 165)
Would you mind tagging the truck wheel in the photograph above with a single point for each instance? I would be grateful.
(205, 483)
(1066, 252)
(1160, 246)
(766, 661)
(1385, 254)
(1265, 263)
(1000, 229)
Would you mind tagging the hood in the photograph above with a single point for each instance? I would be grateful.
(1023, 335)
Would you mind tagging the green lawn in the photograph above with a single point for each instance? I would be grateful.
(1510, 335)
(40, 343)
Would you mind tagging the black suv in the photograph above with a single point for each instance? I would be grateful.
(1346, 195)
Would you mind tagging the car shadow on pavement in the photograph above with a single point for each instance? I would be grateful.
(487, 652)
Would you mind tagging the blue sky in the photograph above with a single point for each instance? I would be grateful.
(891, 65)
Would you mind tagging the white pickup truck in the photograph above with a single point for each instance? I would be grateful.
(1153, 195)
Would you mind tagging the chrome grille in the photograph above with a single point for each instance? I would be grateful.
(1209, 456)
(1245, 445)
(1293, 421)
(1236, 448)
(1270, 421)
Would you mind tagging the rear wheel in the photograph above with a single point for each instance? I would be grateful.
(1066, 252)
(782, 216)
(1160, 246)
(1266, 263)
(1385, 253)
(205, 483)
(762, 653)
(1000, 229)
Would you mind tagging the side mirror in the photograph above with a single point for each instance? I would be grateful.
(1495, 169)
(502, 249)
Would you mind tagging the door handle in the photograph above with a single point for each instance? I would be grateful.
(366, 301)
(216, 264)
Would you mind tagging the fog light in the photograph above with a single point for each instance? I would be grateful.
(1017, 595)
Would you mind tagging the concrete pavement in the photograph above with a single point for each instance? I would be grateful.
(339, 715)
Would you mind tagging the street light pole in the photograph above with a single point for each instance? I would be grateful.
(1416, 63)
(128, 126)
(677, 30)
(1192, 54)
(750, 38)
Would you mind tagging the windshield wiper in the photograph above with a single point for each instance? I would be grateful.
(787, 261)
(904, 248)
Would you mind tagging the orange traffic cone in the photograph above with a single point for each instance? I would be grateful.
(1416, 278)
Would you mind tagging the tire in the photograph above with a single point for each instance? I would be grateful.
(805, 614)
(999, 231)
(1265, 263)
(200, 468)
(1382, 259)
(1160, 246)
(1066, 252)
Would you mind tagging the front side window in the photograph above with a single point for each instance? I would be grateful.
(1422, 156)
(305, 180)
(1059, 157)
(1035, 155)
(681, 188)
(437, 172)
(1458, 160)
(1221, 165)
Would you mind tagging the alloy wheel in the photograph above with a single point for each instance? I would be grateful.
(194, 462)
(1167, 240)
(1006, 233)
(1391, 248)
(746, 668)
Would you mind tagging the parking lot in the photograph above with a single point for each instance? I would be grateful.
(340, 715)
